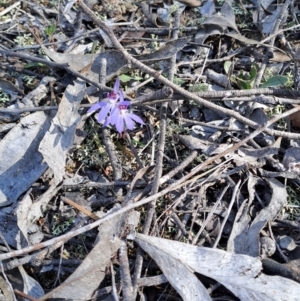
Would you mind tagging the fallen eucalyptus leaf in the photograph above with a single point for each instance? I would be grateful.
(59, 138)
(241, 274)
(21, 163)
(244, 237)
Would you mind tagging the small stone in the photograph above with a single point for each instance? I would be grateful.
(194, 112)
(287, 243)
(267, 246)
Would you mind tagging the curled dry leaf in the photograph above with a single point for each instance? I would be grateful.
(244, 237)
(241, 274)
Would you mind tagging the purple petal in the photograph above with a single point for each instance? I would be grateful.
(119, 123)
(95, 107)
(129, 122)
(135, 118)
(117, 85)
(114, 115)
(103, 113)
(124, 103)
(121, 96)
(107, 121)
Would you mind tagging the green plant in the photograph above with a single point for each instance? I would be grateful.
(126, 78)
(29, 80)
(245, 80)
(24, 40)
(154, 42)
(293, 200)
(173, 8)
(4, 98)
(92, 153)
(200, 87)
(60, 227)
(50, 30)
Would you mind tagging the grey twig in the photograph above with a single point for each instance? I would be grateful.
(125, 274)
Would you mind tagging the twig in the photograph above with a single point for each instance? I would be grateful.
(212, 211)
(127, 289)
(235, 191)
(80, 208)
(274, 33)
(113, 283)
(96, 185)
(220, 94)
(8, 9)
(178, 168)
(159, 164)
(59, 267)
(23, 295)
(109, 146)
(8, 282)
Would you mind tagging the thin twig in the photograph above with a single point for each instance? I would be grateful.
(274, 33)
(113, 283)
(8, 282)
(212, 211)
(235, 191)
(127, 289)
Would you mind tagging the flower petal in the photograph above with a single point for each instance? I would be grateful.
(103, 113)
(95, 107)
(129, 122)
(117, 85)
(124, 103)
(119, 123)
(107, 121)
(114, 115)
(135, 118)
(121, 96)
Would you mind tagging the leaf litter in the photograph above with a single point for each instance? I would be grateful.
(171, 209)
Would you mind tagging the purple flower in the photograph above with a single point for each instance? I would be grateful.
(106, 106)
(114, 112)
(121, 116)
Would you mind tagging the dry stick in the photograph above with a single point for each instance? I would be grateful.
(113, 283)
(217, 94)
(96, 185)
(254, 98)
(37, 258)
(237, 187)
(127, 289)
(178, 168)
(151, 210)
(172, 187)
(7, 281)
(278, 21)
(23, 295)
(220, 60)
(109, 146)
(212, 211)
(180, 90)
(80, 208)
(265, 100)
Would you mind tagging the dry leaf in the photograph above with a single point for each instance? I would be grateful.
(241, 274)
